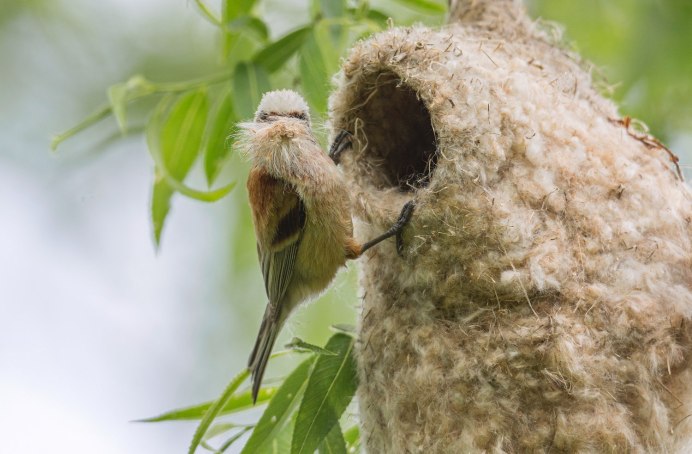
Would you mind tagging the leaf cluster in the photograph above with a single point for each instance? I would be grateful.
(303, 413)
(194, 120)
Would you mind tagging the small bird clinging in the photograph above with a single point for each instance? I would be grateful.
(301, 211)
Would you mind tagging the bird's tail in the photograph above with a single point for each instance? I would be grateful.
(263, 348)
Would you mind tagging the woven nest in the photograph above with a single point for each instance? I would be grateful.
(544, 295)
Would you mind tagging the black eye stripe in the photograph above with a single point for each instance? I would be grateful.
(264, 116)
(298, 115)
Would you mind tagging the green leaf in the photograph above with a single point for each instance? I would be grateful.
(313, 74)
(343, 328)
(330, 42)
(117, 99)
(182, 133)
(162, 192)
(278, 412)
(231, 9)
(120, 94)
(330, 389)
(352, 437)
(160, 205)
(332, 8)
(215, 409)
(281, 442)
(227, 444)
(334, 443)
(236, 403)
(378, 17)
(275, 55)
(222, 427)
(249, 24)
(221, 126)
(300, 345)
(250, 82)
(174, 143)
(207, 13)
(425, 6)
(237, 46)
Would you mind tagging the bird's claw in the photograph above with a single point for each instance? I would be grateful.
(341, 142)
(404, 218)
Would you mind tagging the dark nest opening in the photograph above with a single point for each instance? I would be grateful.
(396, 141)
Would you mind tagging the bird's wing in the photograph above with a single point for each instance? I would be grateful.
(280, 210)
(278, 258)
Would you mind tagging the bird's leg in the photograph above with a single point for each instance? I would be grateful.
(396, 229)
(341, 142)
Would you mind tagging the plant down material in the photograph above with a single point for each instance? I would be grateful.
(544, 298)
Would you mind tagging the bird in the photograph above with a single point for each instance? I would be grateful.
(301, 213)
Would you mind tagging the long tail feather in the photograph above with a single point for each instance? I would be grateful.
(263, 348)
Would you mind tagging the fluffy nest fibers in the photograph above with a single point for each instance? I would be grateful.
(544, 295)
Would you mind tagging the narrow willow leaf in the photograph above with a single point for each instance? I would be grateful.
(237, 402)
(220, 127)
(275, 55)
(330, 42)
(117, 99)
(249, 24)
(228, 443)
(215, 409)
(332, 8)
(161, 192)
(122, 93)
(279, 410)
(330, 388)
(183, 130)
(207, 13)
(425, 6)
(334, 443)
(174, 143)
(235, 46)
(221, 428)
(352, 437)
(343, 328)
(250, 81)
(281, 442)
(378, 16)
(235, 8)
(300, 345)
(160, 206)
(313, 74)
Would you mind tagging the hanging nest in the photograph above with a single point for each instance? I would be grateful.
(544, 294)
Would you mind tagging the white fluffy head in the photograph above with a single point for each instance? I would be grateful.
(282, 103)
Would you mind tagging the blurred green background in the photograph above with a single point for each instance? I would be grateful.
(96, 327)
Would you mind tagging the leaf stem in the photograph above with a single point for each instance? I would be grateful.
(206, 12)
(91, 120)
(155, 88)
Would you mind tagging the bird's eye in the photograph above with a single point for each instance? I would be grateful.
(263, 116)
(299, 115)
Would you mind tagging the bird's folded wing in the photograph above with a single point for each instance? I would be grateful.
(279, 257)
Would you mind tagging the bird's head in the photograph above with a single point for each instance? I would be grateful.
(281, 104)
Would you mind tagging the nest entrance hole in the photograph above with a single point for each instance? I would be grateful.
(398, 147)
